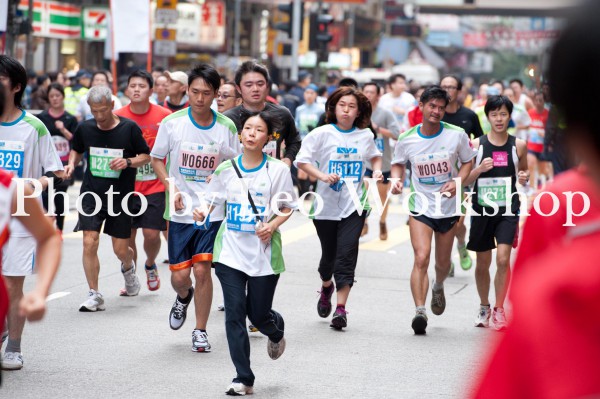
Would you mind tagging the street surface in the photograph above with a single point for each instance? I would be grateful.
(130, 351)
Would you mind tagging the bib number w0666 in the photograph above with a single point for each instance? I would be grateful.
(347, 166)
(145, 173)
(197, 161)
(495, 188)
(432, 168)
(100, 162)
(12, 154)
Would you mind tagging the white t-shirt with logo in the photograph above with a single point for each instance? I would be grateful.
(346, 153)
(27, 150)
(193, 153)
(434, 162)
(237, 244)
(405, 101)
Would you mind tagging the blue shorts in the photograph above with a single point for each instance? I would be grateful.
(189, 245)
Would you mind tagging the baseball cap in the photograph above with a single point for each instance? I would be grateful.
(82, 73)
(303, 75)
(178, 76)
(312, 86)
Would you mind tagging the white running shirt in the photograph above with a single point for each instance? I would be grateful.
(434, 162)
(193, 153)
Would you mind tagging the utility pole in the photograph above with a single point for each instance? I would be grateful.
(236, 28)
(297, 20)
(29, 48)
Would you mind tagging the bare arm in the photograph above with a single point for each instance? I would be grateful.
(74, 159)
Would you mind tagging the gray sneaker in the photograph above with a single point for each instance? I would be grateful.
(94, 302)
(132, 283)
(200, 341)
(275, 350)
(438, 302)
(12, 361)
(239, 389)
(178, 312)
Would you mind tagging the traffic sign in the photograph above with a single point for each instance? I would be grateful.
(166, 16)
(165, 48)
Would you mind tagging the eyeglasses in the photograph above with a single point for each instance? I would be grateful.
(448, 88)
(224, 96)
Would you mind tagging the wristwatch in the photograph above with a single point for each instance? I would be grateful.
(128, 162)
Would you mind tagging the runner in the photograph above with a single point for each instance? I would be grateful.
(433, 148)
(228, 97)
(331, 153)
(33, 304)
(195, 140)
(26, 151)
(177, 98)
(501, 161)
(253, 82)
(114, 148)
(466, 119)
(148, 117)
(386, 127)
(398, 100)
(248, 255)
(61, 126)
(535, 141)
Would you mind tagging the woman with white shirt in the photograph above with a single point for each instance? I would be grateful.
(336, 154)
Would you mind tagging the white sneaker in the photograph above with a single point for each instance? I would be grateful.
(12, 361)
(499, 319)
(132, 283)
(483, 317)
(239, 389)
(200, 341)
(275, 350)
(94, 302)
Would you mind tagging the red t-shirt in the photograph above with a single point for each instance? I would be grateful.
(551, 347)
(5, 181)
(542, 232)
(535, 138)
(146, 181)
(415, 116)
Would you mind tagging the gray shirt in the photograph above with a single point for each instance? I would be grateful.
(382, 117)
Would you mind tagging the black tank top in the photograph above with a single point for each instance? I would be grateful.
(495, 180)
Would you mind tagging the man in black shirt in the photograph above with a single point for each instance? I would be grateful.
(114, 148)
(253, 82)
(462, 117)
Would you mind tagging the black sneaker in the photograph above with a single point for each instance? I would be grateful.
(179, 311)
(339, 319)
(324, 304)
(419, 323)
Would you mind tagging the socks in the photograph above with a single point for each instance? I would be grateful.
(437, 286)
(185, 300)
(328, 290)
(153, 267)
(13, 345)
(421, 309)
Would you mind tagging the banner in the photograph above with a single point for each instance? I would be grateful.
(54, 19)
(130, 36)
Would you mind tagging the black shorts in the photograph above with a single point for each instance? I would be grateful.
(538, 155)
(442, 225)
(153, 217)
(488, 231)
(386, 175)
(115, 226)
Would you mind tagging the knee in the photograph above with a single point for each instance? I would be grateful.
(422, 260)
(151, 235)
(90, 243)
(180, 278)
(202, 273)
(502, 263)
(122, 251)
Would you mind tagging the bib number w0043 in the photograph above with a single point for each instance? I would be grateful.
(495, 188)
(432, 168)
(12, 154)
(100, 162)
(197, 161)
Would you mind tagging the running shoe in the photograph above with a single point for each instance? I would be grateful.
(239, 389)
(12, 361)
(499, 319)
(221, 308)
(93, 303)
(132, 283)
(419, 322)
(465, 259)
(339, 319)
(179, 311)
(200, 341)
(152, 278)
(252, 328)
(275, 350)
(438, 302)
(483, 317)
(324, 304)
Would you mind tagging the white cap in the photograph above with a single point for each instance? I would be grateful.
(178, 76)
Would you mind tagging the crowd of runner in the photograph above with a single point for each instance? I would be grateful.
(211, 163)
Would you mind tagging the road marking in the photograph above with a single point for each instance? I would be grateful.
(396, 237)
(295, 234)
(56, 295)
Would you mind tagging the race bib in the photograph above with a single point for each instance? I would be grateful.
(379, 144)
(494, 188)
(100, 162)
(12, 155)
(198, 161)
(347, 163)
(145, 173)
(432, 168)
(62, 147)
(535, 137)
(271, 149)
